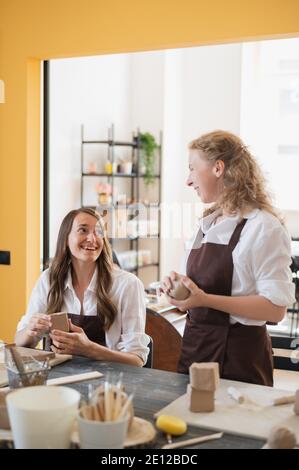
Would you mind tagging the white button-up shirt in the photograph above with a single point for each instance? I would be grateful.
(261, 258)
(127, 331)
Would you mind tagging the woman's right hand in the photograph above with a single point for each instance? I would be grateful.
(167, 283)
(39, 324)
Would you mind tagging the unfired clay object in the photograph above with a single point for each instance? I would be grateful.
(200, 401)
(60, 321)
(281, 438)
(204, 376)
(179, 291)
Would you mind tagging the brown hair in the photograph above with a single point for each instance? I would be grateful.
(244, 184)
(62, 263)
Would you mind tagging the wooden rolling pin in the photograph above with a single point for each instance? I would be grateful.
(284, 400)
(240, 398)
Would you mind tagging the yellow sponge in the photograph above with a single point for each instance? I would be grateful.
(171, 425)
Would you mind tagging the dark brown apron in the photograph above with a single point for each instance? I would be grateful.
(92, 326)
(243, 352)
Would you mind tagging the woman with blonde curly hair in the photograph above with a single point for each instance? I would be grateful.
(105, 305)
(237, 268)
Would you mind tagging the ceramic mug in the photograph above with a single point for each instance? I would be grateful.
(42, 417)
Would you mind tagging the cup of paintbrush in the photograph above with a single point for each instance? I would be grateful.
(103, 422)
(111, 398)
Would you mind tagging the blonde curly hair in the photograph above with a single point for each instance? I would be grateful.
(243, 181)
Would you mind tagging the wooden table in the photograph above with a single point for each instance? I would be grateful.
(154, 390)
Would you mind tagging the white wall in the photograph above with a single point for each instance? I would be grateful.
(147, 91)
(270, 116)
(147, 104)
(202, 93)
(92, 91)
(171, 213)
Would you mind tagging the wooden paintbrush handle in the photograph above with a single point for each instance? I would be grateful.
(193, 441)
(68, 379)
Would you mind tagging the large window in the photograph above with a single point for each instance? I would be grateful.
(269, 121)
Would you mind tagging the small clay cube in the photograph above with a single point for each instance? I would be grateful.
(179, 291)
(204, 376)
(200, 401)
(60, 321)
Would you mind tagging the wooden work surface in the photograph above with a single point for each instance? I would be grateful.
(154, 389)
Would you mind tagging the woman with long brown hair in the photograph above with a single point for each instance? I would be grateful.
(105, 305)
(238, 264)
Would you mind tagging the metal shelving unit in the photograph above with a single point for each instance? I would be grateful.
(135, 191)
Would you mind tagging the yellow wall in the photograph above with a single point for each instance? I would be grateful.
(31, 30)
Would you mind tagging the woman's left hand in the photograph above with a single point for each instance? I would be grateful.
(76, 342)
(197, 297)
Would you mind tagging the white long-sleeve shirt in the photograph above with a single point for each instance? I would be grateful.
(127, 333)
(261, 258)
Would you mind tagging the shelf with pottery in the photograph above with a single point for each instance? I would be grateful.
(124, 178)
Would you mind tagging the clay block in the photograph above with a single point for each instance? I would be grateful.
(200, 401)
(296, 406)
(179, 291)
(204, 376)
(60, 321)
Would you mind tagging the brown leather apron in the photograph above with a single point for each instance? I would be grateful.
(243, 352)
(92, 326)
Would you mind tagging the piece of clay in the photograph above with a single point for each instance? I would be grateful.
(60, 321)
(179, 291)
(204, 376)
(281, 438)
(200, 401)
